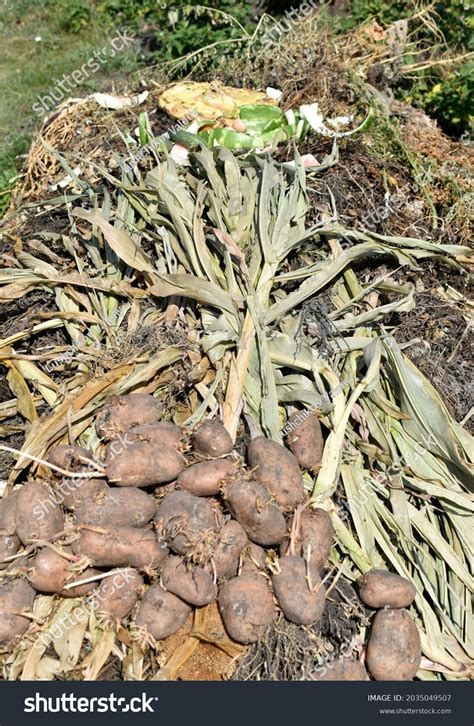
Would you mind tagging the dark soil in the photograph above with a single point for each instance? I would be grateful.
(444, 350)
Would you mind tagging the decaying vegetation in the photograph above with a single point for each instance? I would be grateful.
(248, 288)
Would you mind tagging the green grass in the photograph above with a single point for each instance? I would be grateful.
(30, 68)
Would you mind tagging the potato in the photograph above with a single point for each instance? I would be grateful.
(122, 547)
(205, 478)
(71, 458)
(143, 464)
(162, 434)
(71, 492)
(254, 559)
(210, 438)
(251, 505)
(314, 537)
(117, 508)
(48, 571)
(226, 556)
(9, 546)
(379, 589)
(191, 583)
(188, 523)
(38, 514)
(117, 595)
(16, 596)
(122, 413)
(246, 606)
(394, 647)
(299, 590)
(305, 439)
(81, 590)
(341, 669)
(161, 613)
(9, 541)
(277, 469)
(8, 513)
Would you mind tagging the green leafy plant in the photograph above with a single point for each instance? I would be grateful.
(452, 99)
(448, 27)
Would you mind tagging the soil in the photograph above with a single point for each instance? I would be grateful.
(444, 350)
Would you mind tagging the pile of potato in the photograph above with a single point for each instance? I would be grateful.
(393, 651)
(183, 521)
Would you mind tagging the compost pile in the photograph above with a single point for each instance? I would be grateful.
(183, 521)
(286, 304)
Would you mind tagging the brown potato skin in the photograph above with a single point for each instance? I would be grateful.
(226, 556)
(71, 492)
(314, 537)
(116, 596)
(49, 572)
(205, 478)
(162, 433)
(246, 606)
(298, 603)
(122, 413)
(117, 508)
(8, 513)
(15, 596)
(9, 541)
(305, 439)
(9, 546)
(278, 470)
(394, 647)
(143, 464)
(185, 521)
(122, 547)
(68, 457)
(210, 438)
(38, 515)
(380, 588)
(341, 669)
(81, 590)
(161, 613)
(192, 584)
(251, 505)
